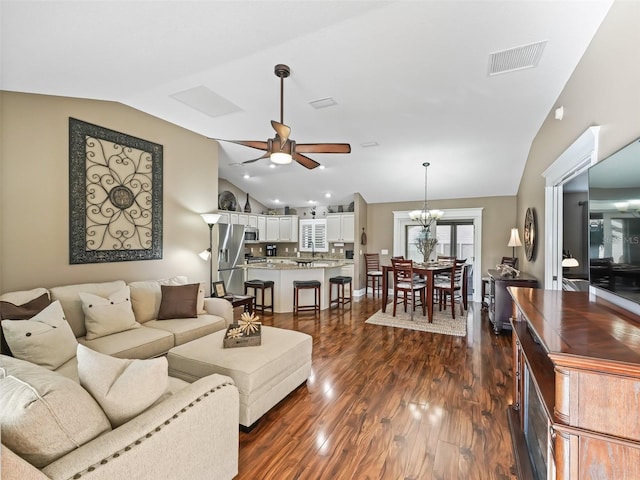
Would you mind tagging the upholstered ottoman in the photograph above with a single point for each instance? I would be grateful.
(264, 374)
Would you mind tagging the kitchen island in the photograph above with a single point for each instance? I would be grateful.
(283, 272)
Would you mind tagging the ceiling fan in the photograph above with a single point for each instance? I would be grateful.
(282, 149)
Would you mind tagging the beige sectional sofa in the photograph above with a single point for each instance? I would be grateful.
(53, 427)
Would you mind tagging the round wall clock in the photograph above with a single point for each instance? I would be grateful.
(529, 233)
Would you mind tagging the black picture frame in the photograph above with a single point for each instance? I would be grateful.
(115, 196)
(218, 289)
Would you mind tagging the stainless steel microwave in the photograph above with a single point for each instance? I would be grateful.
(251, 235)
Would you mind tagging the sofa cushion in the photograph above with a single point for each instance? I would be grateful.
(23, 311)
(178, 301)
(104, 316)
(46, 339)
(123, 388)
(70, 299)
(186, 329)
(44, 415)
(146, 296)
(140, 342)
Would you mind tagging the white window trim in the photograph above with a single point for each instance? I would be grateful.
(401, 220)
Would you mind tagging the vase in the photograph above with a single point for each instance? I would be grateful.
(247, 206)
(429, 246)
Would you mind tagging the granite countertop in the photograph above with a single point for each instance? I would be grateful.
(298, 263)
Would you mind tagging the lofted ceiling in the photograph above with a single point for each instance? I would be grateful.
(410, 78)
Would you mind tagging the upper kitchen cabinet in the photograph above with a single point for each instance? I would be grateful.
(341, 227)
(281, 228)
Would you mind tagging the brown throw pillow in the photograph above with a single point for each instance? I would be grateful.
(9, 311)
(179, 301)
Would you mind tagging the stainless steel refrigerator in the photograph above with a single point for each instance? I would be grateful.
(230, 256)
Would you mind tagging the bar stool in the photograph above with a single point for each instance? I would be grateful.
(341, 300)
(261, 285)
(306, 285)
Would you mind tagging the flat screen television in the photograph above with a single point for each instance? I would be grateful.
(614, 223)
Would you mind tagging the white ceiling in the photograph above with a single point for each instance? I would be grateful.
(409, 75)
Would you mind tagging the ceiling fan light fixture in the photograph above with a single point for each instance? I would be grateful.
(281, 158)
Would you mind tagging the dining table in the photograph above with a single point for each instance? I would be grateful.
(428, 270)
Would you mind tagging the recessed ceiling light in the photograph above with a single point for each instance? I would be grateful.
(373, 143)
(312, 201)
(323, 103)
(322, 167)
(271, 165)
(277, 201)
(246, 175)
(328, 195)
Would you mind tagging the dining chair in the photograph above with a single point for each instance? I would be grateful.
(406, 283)
(374, 272)
(511, 261)
(453, 288)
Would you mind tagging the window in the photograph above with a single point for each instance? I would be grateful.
(313, 236)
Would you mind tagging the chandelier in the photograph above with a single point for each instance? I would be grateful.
(425, 217)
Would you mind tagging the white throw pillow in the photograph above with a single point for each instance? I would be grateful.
(104, 316)
(123, 388)
(46, 339)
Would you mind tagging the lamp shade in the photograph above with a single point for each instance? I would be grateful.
(210, 218)
(514, 240)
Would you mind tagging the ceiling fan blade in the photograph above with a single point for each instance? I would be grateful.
(323, 147)
(248, 143)
(282, 130)
(305, 161)
(266, 155)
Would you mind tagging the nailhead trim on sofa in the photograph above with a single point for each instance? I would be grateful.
(148, 435)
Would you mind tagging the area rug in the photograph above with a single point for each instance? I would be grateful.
(442, 321)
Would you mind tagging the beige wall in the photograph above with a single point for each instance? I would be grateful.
(603, 90)
(498, 217)
(34, 192)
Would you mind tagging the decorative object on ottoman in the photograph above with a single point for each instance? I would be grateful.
(246, 333)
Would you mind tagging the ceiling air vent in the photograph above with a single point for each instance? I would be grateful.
(323, 103)
(518, 58)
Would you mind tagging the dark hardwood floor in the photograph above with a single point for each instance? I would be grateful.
(388, 403)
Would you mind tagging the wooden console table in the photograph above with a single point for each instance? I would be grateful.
(576, 410)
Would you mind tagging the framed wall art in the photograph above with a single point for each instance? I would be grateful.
(115, 196)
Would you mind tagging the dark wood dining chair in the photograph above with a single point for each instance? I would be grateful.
(511, 261)
(406, 283)
(452, 288)
(374, 272)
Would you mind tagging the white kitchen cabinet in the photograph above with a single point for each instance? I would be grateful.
(224, 217)
(288, 229)
(243, 219)
(341, 227)
(273, 229)
(262, 228)
(233, 218)
(253, 221)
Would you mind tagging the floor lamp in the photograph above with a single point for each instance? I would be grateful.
(211, 219)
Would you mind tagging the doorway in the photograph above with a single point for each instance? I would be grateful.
(574, 161)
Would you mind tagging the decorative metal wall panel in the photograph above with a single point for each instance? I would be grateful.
(115, 196)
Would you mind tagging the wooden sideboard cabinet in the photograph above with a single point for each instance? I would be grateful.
(576, 404)
(500, 303)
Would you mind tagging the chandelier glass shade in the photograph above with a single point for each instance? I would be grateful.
(425, 217)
